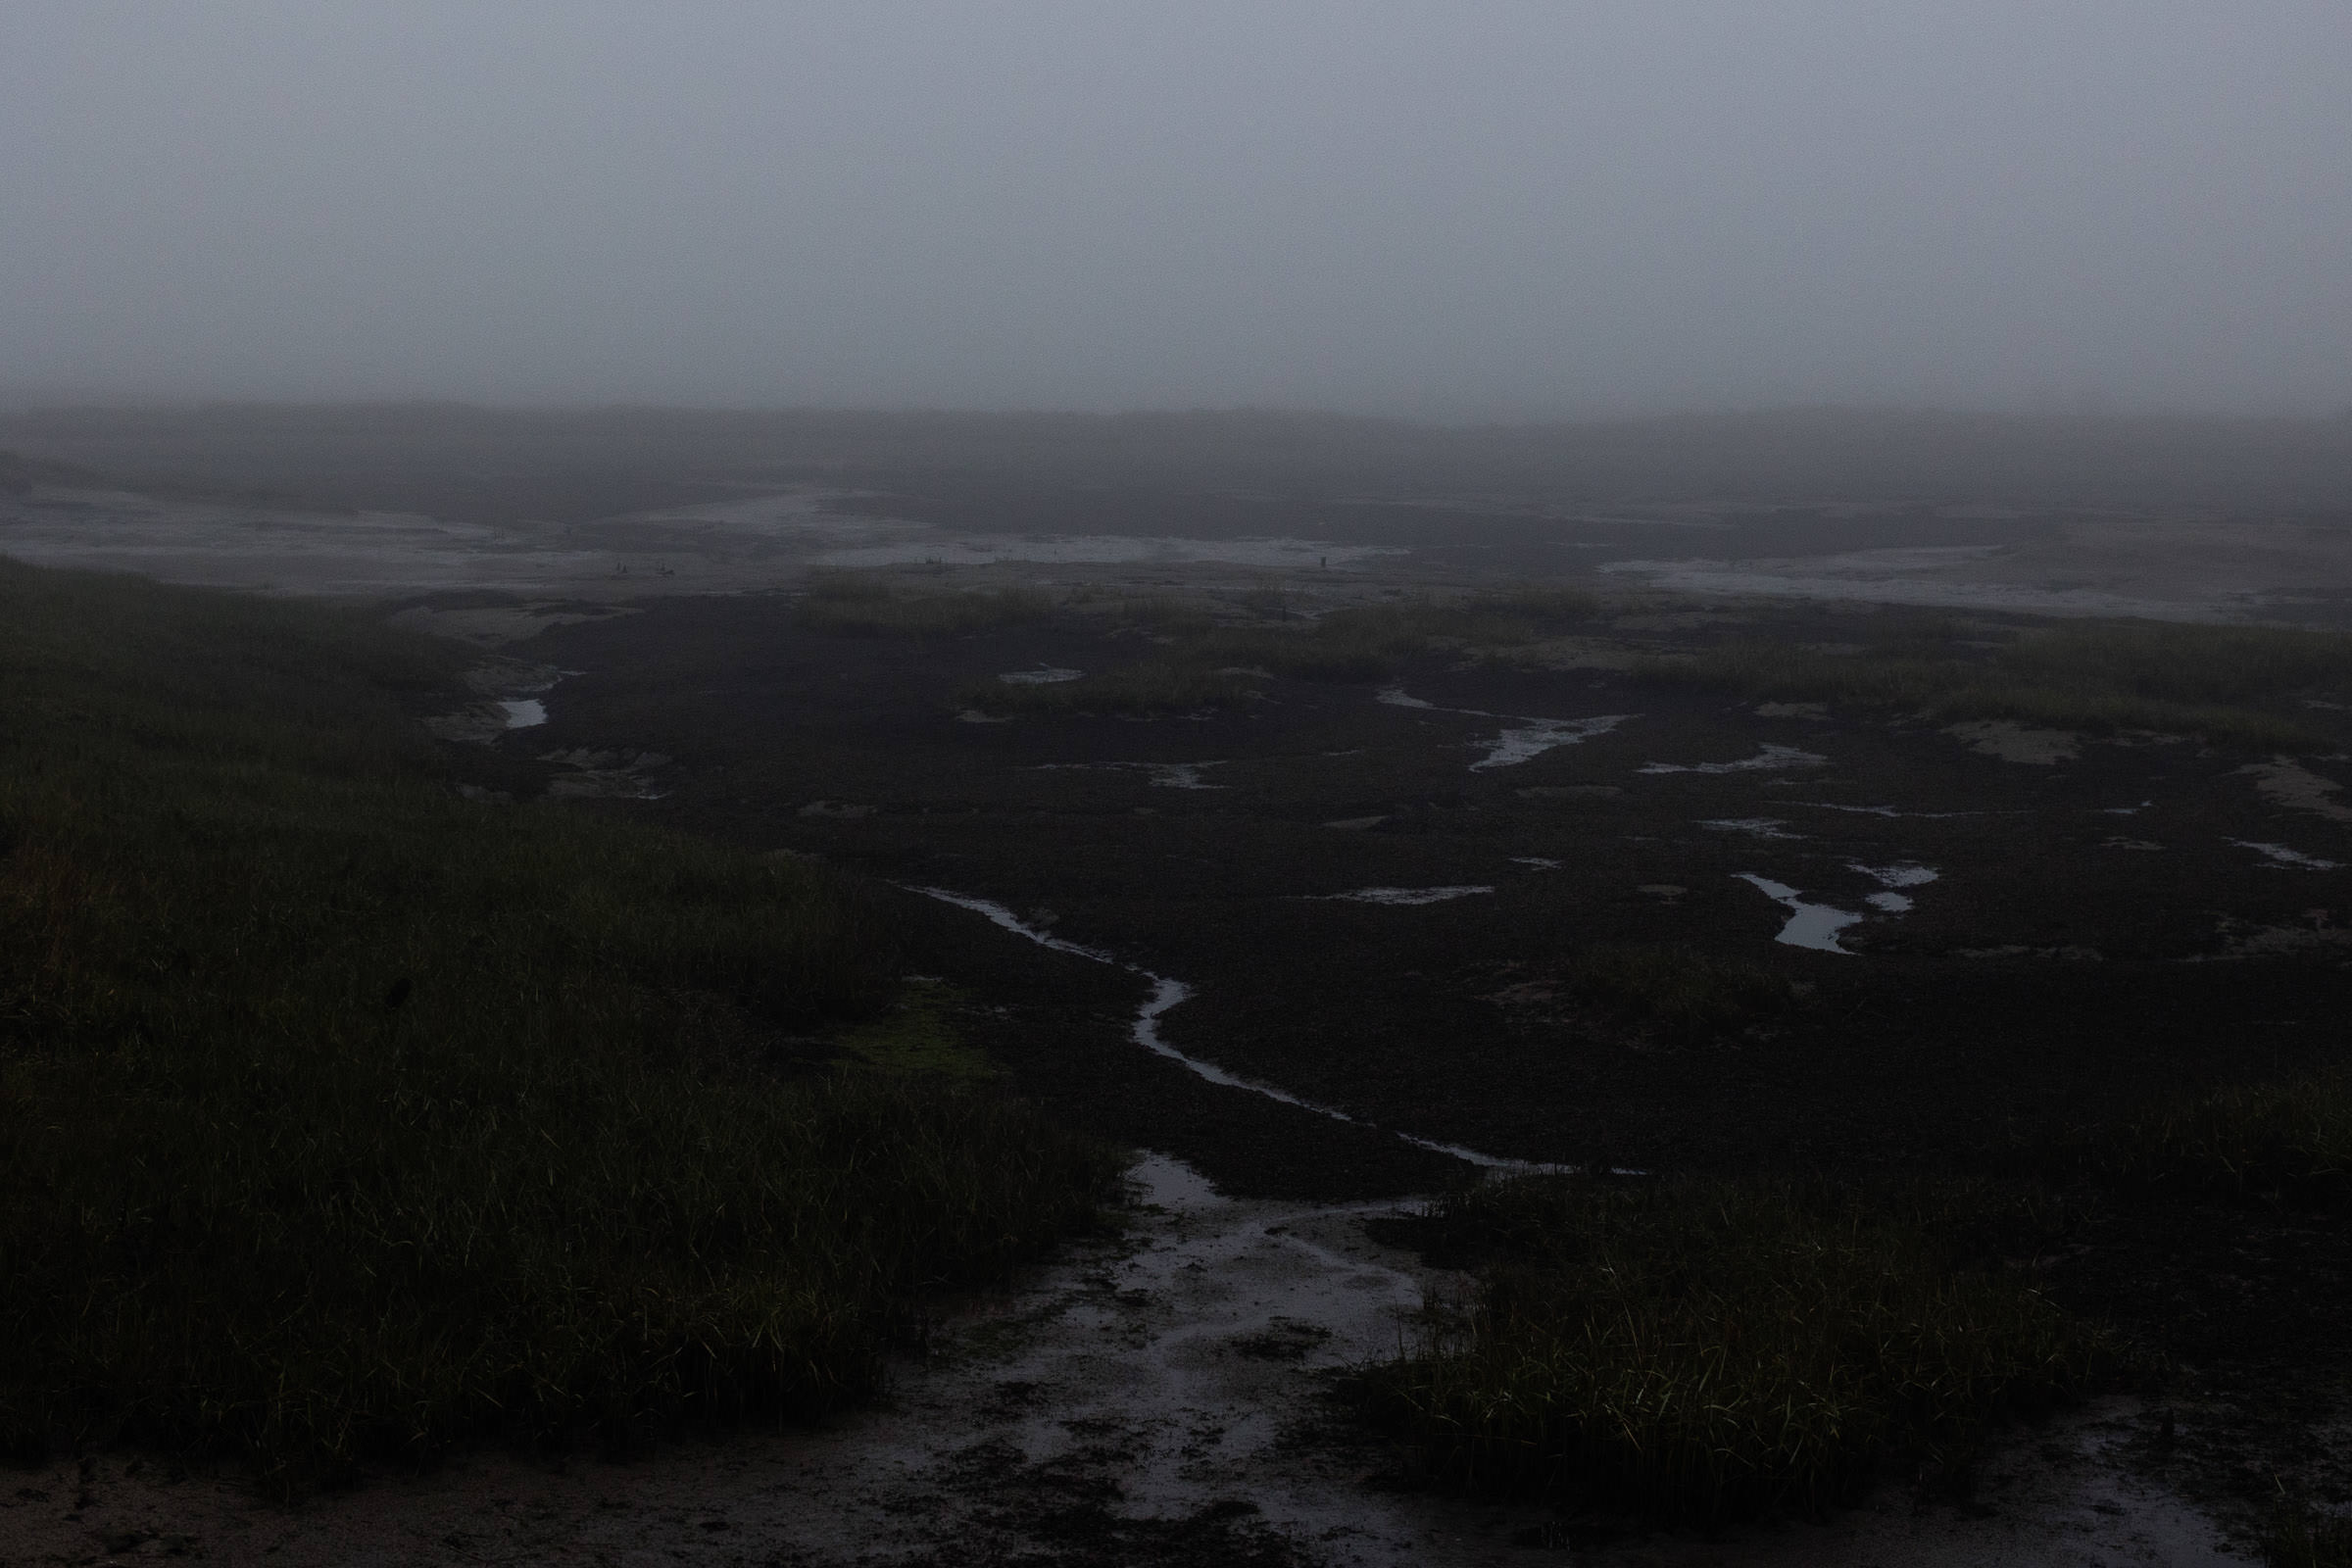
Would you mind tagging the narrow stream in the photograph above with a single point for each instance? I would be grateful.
(1167, 993)
(1525, 738)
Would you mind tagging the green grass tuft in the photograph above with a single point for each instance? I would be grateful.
(340, 1117)
(1705, 1350)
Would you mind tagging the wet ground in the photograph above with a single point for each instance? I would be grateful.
(1160, 1398)
(1369, 891)
(1312, 953)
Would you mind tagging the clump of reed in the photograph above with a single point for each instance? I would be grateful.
(2285, 1141)
(1705, 1349)
(1687, 996)
(863, 605)
(2227, 683)
(2306, 1537)
(341, 1117)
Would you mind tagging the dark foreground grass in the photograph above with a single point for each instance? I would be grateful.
(340, 1117)
(2227, 683)
(1705, 1350)
(2306, 1537)
(2287, 1141)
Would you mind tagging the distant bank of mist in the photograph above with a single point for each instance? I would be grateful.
(455, 459)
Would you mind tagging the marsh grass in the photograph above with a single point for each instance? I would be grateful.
(1689, 996)
(1155, 686)
(1206, 666)
(2285, 1142)
(1372, 641)
(2307, 1537)
(852, 603)
(1704, 1351)
(2227, 683)
(340, 1117)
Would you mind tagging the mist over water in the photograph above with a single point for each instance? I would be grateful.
(1491, 212)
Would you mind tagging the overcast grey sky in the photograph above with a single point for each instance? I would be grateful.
(1465, 210)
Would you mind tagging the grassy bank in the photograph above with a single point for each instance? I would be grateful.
(1706, 1350)
(340, 1115)
(2235, 684)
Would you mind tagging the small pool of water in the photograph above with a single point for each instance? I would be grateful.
(1762, 827)
(1810, 925)
(1044, 675)
(1770, 757)
(1523, 738)
(2282, 859)
(1403, 895)
(524, 713)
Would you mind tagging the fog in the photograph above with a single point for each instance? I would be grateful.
(1449, 211)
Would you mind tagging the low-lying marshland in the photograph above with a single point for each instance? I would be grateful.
(348, 1117)
(708, 1040)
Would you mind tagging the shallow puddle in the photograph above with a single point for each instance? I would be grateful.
(1536, 736)
(1889, 878)
(1810, 925)
(1400, 896)
(2282, 859)
(1162, 775)
(1769, 759)
(1523, 738)
(1047, 675)
(526, 712)
(1762, 827)
(2293, 785)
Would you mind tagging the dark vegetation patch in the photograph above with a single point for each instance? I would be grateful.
(1155, 686)
(863, 606)
(341, 1117)
(2232, 684)
(2285, 1142)
(1202, 663)
(2306, 1536)
(1707, 1350)
(1669, 991)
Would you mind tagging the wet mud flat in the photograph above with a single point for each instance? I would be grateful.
(1371, 915)
(1375, 894)
(1158, 1398)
